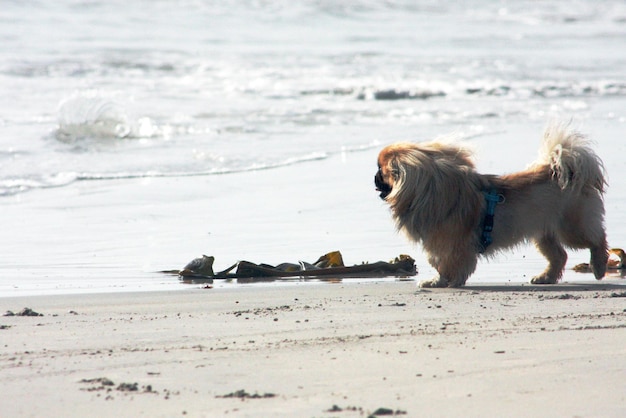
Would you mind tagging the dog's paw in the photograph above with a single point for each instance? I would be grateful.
(434, 282)
(544, 279)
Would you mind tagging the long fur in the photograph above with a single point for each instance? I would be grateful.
(437, 198)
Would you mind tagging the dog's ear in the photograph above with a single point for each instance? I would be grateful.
(400, 170)
(390, 165)
(394, 169)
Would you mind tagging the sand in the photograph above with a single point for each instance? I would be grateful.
(347, 349)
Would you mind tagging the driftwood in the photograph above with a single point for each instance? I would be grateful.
(328, 266)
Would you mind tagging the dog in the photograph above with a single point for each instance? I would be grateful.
(438, 199)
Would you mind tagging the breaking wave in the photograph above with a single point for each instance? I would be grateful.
(216, 171)
(513, 90)
(91, 116)
(12, 186)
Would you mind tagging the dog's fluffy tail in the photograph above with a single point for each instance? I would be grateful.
(573, 164)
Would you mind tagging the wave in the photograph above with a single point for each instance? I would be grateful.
(13, 186)
(546, 89)
(95, 116)
(178, 65)
(551, 90)
(76, 68)
(81, 117)
(217, 171)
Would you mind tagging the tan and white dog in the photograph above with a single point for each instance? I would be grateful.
(439, 200)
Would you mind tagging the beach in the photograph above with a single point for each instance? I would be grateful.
(344, 349)
(137, 136)
(119, 338)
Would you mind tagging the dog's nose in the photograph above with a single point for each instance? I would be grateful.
(381, 186)
(378, 179)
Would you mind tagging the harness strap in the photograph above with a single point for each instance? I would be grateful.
(493, 198)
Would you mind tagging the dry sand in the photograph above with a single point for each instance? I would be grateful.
(348, 349)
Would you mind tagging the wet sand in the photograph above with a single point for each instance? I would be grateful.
(319, 350)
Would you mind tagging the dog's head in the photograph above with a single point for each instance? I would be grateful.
(426, 184)
(419, 168)
(388, 173)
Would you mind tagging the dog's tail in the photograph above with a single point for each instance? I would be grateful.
(573, 164)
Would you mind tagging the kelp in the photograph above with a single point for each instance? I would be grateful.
(328, 266)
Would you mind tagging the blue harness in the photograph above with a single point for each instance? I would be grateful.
(493, 198)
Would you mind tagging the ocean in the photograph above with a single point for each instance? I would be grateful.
(116, 113)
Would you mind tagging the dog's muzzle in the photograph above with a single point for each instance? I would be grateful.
(381, 186)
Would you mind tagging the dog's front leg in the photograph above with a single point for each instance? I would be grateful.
(435, 282)
(454, 269)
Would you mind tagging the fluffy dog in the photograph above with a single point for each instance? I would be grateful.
(439, 200)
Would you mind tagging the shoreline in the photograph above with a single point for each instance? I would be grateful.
(112, 235)
(338, 350)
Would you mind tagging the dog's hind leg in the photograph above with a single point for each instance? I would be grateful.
(585, 229)
(599, 257)
(551, 249)
(592, 236)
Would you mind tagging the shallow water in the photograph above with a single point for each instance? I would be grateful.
(131, 132)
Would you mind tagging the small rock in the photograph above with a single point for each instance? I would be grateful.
(23, 312)
(128, 387)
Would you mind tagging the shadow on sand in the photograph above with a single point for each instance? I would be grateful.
(595, 286)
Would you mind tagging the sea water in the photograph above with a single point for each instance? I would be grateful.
(97, 95)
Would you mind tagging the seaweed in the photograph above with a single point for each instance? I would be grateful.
(329, 265)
